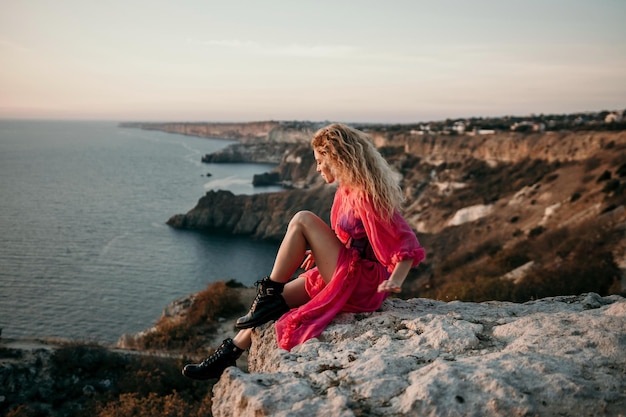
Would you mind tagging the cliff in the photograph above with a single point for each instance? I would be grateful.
(248, 132)
(483, 171)
(504, 147)
(255, 152)
(419, 357)
(243, 132)
(223, 212)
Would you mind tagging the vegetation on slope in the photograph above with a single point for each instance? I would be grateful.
(86, 379)
(563, 221)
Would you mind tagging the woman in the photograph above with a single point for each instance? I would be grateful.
(350, 267)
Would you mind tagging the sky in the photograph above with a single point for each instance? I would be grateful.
(350, 61)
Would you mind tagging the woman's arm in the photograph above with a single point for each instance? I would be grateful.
(394, 283)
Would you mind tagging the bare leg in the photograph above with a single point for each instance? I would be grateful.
(243, 339)
(295, 294)
(306, 230)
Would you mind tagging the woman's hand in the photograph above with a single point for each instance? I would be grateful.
(394, 283)
(309, 261)
(389, 286)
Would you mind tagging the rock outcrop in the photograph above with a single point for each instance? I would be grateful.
(262, 152)
(296, 163)
(248, 132)
(555, 356)
(261, 216)
(243, 132)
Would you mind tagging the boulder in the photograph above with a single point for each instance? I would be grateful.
(419, 357)
(268, 178)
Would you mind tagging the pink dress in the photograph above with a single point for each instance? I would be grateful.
(372, 248)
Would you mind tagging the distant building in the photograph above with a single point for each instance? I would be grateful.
(527, 126)
(478, 131)
(613, 117)
(424, 128)
(459, 127)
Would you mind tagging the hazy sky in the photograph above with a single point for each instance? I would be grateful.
(351, 61)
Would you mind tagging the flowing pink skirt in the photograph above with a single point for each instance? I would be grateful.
(353, 288)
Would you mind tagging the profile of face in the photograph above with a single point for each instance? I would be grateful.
(322, 166)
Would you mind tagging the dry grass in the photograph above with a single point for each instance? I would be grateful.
(189, 333)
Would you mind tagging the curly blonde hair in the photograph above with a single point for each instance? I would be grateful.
(358, 165)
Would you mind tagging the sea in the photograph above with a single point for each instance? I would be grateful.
(85, 252)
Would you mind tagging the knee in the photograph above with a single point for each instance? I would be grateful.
(302, 218)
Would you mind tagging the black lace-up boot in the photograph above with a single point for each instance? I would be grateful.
(213, 366)
(269, 304)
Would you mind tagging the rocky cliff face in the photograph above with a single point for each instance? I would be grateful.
(297, 168)
(223, 212)
(264, 153)
(244, 132)
(555, 356)
(505, 147)
(270, 131)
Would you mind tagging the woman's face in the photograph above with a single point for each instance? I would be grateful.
(323, 168)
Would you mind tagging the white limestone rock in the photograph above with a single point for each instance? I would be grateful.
(470, 214)
(555, 356)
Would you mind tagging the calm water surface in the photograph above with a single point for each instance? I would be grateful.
(84, 249)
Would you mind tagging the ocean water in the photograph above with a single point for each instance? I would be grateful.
(84, 249)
